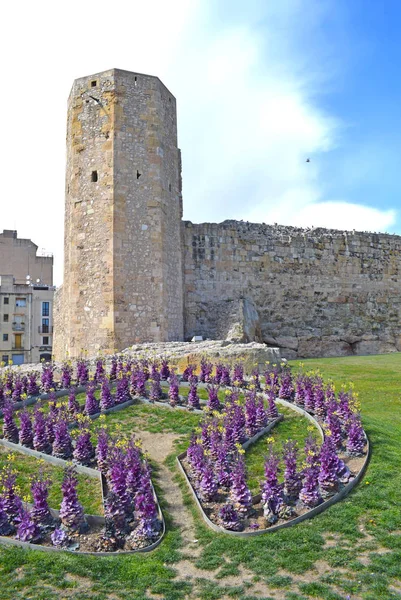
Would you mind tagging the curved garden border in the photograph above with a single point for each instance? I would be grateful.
(308, 515)
(91, 519)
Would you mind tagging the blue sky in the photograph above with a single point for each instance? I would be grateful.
(365, 95)
(260, 86)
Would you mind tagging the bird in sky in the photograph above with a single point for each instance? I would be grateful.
(307, 160)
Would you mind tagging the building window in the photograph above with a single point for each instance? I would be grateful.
(94, 83)
(20, 302)
(6, 300)
(94, 176)
(45, 309)
(45, 325)
(4, 359)
(5, 318)
(5, 337)
(45, 341)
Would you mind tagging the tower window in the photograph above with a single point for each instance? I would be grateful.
(135, 81)
(94, 83)
(94, 176)
(169, 187)
(138, 174)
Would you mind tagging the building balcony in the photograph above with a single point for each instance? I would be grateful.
(18, 326)
(45, 328)
(45, 349)
(14, 347)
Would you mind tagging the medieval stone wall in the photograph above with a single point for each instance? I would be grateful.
(318, 292)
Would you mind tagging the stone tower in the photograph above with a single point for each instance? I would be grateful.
(123, 209)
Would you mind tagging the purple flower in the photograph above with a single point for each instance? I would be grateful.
(113, 368)
(106, 398)
(272, 408)
(292, 479)
(28, 530)
(140, 383)
(84, 451)
(208, 485)
(155, 393)
(40, 512)
(251, 413)
(320, 406)
(300, 390)
(225, 376)
(272, 494)
(99, 371)
(62, 445)
(309, 494)
(189, 372)
(26, 430)
(213, 402)
(356, 439)
(71, 511)
(10, 429)
(122, 391)
(66, 375)
(286, 389)
(117, 478)
(262, 418)
(238, 375)
(102, 451)
(32, 387)
(18, 390)
(40, 439)
(6, 528)
(82, 372)
(47, 377)
(229, 518)
(173, 392)
(219, 372)
(165, 370)
(11, 501)
(193, 398)
(133, 468)
(73, 404)
(91, 403)
(60, 538)
(333, 425)
(115, 515)
(309, 395)
(328, 475)
(240, 494)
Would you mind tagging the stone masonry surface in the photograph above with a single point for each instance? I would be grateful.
(318, 292)
(135, 272)
(122, 270)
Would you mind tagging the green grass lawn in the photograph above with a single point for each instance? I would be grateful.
(89, 489)
(353, 549)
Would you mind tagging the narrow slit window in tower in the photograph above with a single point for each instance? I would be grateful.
(138, 174)
(94, 176)
(135, 81)
(94, 83)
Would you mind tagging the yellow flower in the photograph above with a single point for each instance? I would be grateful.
(270, 440)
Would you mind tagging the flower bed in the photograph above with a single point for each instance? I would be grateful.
(133, 520)
(213, 464)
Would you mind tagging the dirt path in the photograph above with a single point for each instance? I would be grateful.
(159, 446)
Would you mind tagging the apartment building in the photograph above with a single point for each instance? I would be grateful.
(26, 301)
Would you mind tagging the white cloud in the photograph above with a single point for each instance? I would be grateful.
(245, 76)
(333, 215)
